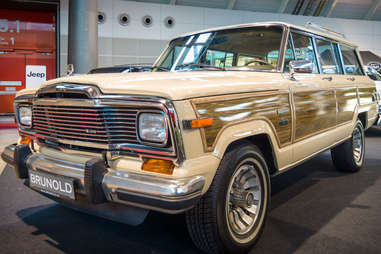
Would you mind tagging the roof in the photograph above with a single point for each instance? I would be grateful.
(273, 23)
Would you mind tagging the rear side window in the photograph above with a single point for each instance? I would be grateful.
(327, 57)
(351, 62)
(304, 49)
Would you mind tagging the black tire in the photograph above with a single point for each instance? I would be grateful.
(208, 222)
(343, 155)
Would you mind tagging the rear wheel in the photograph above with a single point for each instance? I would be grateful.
(230, 217)
(349, 156)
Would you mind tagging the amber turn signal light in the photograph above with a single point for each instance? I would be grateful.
(25, 140)
(158, 166)
(199, 123)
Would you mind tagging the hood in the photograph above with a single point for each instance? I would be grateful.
(178, 85)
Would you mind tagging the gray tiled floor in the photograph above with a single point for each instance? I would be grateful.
(314, 209)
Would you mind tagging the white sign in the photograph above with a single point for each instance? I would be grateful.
(34, 75)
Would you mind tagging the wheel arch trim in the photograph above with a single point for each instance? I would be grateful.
(247, 131)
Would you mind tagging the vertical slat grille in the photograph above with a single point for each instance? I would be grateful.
(106, 125)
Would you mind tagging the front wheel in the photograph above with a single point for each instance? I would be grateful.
(349, 156)
(230, 217)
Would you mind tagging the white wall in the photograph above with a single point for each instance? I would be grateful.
(136, 43)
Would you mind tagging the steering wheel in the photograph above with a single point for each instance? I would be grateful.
(256, 61)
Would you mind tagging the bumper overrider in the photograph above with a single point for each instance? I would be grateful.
(97, 184)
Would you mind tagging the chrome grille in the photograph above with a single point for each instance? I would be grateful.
(106, 125)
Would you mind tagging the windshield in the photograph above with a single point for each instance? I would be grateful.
(251, 48)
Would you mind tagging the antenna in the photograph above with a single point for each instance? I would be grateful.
(325, 29)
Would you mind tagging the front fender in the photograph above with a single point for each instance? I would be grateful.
(248, 129)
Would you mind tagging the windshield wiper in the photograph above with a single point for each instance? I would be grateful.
(243, 68)
(206, 66)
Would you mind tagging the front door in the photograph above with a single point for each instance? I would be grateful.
(314, 101)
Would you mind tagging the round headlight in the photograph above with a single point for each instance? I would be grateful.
(25, 115)
(153, 127)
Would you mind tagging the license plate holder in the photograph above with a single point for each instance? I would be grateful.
(55, 185)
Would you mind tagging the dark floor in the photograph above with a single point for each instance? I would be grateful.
(314, 210)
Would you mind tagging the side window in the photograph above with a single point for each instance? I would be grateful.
(219, 58)
(304, 49)
(337, 55)
(351, 62)
(170, 58)
(289, 56)
(327, 57)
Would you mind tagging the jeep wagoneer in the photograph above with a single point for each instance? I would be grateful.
(222, 110)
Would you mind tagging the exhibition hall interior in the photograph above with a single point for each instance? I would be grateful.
(190, 126)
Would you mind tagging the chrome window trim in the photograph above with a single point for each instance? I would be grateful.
(313, 39)
(277, 69)
(333, 54)
(292, 43)
(341, 58)
(359, 60)
(310, 36)
(335, 58)
(357, 56)
(283, 48)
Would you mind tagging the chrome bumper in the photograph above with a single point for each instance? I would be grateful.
(145, 191)
(8, 154)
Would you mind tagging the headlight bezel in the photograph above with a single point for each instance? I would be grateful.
(18, 115)
(145, 141)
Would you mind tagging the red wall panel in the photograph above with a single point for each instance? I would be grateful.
(14, 70)
(26, 38)
(27, 30)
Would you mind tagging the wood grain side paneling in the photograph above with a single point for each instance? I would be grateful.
(346, 103)
(366, 95)
(315, 111)
(227, 110)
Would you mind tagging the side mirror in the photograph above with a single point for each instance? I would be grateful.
(301, 66)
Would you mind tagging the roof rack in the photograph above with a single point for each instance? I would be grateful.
(309, 23)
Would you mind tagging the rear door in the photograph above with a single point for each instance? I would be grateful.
(356, 79)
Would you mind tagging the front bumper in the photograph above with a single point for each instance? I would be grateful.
(108, 185)
(8, 154)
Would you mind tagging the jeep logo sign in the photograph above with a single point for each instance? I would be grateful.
(34, 75)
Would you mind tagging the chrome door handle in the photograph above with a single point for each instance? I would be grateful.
(351, 79)
(327, 78)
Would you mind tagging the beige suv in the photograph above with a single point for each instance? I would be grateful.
(222, 111)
